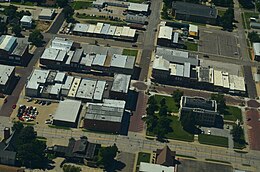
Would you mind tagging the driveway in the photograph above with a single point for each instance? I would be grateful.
(125, 162)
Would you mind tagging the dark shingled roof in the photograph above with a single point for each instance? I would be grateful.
(165, 157)
(194, 9)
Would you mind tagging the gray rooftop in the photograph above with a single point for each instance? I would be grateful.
(5, 72)
(20, 49)
(123, 61)
(68, 110)
(176, 56)
(99, 90)
(99, 60)
(77, 56)
(86, 89)
(121, 83)
(37, 77)
(194, 9)
(110, 111)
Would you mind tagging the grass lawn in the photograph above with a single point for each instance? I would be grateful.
(77, 5)
(129, 52)
(143, 157)
(247, 16)
(213, 140)
(178, 132)
(191, 46)
(172, 106)
(233, 113)
(221, 12)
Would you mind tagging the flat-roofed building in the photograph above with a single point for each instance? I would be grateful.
(7, 45)
(86, 89)
(193, 31)
(149, 167)
(80, 29)
(111, 31)
(105, 116)
(99, 91)
(135, 18)
(256, 48)
(7, 77)
(35, 82)
(98, 28)
(67, 113)
(53, 57)
(20, 55)
(137, 8)
(26, 21)
(61, 44)
(161, 68)
(74, 88)
(237, 85)
(122, 64)
(194, 12)
(66, 86)
(120, 86)
(205, 112)
(165, 35)
(46, 14)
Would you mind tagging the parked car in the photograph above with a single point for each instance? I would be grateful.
(29, 99)
(14, 106)
(48, 121)
(209, 132)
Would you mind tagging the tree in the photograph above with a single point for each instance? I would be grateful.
(188, 122)
(62, 3)
(71, 168)
(68, 13)
(163, 111)
(36, 38)
(246, 3)
(10, 11)
(17, 126)
(32, 154)
(17, 30)
(162, 127)
(253, 36)
(107, 155)
(151, 122)
(221, 102)
(176, 95)
(237, 132)
(163, 102)
(27, 135)
(226, 21)
(3, 28)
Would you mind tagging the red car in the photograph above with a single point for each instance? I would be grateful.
(14, 106)
(21, 119)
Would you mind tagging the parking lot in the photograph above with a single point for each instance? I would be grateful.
(220, 132)
(253, 128)
(43, 114)
(219, 43)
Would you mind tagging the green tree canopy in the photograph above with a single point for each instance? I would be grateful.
(62, 3)
(107, 155)
(162, 127)
(71, 168)
(237, 132)
(36, 38)
(253, 36)
(221, 102)
(17, 126)
(17, 30)
(188, 122)
(176, 95)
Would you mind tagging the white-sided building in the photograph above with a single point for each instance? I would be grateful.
(26, 21)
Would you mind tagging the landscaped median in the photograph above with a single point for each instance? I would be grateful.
(213, 140)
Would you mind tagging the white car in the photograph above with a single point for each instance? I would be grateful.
(209, 132)
(48, 121)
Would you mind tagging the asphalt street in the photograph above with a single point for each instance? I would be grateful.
(24, 73)
(149, 38)
(135, 142)
(55, 27)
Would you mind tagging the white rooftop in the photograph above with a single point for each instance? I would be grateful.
(86, 89)
(138, 7)
(38, 76)
(26, 19)
(160, 63)
(256, 47)
(79, 27)
(165, 32)
(47, 12)
(148, 167)
(68, 110)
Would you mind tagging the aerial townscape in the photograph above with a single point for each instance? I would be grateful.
(130, 85)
